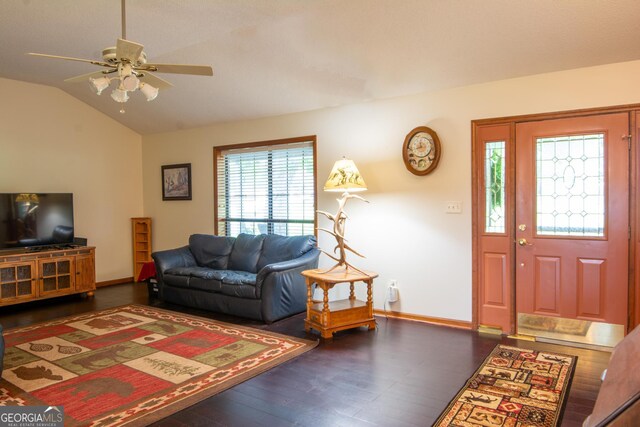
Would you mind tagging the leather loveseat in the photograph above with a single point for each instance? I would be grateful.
(257, 277)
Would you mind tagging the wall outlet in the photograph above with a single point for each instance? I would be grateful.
(454, 207)
(392, 291)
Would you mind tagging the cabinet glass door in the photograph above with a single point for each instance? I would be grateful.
(16, 281)
(56, 275)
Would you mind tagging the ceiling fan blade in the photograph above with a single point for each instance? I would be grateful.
(155, 81)
(85, 77)
(128, 50)
(68, 58)
(198, 70)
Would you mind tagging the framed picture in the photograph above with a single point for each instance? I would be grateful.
(176, 182)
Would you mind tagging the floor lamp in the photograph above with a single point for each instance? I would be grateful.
(345, 178)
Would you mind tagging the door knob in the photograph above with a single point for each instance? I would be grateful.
(523, 242)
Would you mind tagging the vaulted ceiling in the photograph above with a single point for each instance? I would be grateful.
(273, 57)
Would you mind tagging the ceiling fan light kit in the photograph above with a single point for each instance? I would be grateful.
(129, 61)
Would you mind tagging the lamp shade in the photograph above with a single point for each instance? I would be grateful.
(130, 83)
(120, 95)
(148, 91)
(345, 176)
(99, 84)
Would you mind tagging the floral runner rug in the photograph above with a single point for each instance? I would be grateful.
(134, 364)
(513, 387)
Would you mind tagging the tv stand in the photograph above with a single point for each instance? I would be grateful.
(47, 272)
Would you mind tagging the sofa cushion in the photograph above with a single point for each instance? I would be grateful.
(201, 272)
(246, 252)
(239, 278)
(175, 280)
(239, 291)
(239, 284)
(281, 248)
(211, 251)
(207, 285)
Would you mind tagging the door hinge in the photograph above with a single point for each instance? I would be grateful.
(628, 138)
(629, 232)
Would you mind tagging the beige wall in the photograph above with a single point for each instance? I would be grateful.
(51, 142)
(404, 231)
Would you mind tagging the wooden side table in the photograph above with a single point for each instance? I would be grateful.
(329, 317)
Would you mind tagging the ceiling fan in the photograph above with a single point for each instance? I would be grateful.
(129, 61)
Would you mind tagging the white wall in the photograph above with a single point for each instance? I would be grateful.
(51, 142)
(404, 231)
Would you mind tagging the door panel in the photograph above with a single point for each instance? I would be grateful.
(591, 279)
(495, 272)
(546, 286)
(572, 218)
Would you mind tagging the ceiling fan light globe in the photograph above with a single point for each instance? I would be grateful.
(99, 84)
(149, 91)
(130, 83)
(120, 95)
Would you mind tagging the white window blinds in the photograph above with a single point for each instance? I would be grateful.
(266, 190)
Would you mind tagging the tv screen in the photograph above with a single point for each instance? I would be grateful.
(35, 219)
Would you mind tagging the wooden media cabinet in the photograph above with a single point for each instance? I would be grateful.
(34, 275)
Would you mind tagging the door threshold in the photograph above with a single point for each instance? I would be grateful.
(531, 338)
(575, 344)
(522, 337)
(571, 332)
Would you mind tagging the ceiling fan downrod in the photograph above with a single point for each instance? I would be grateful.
(124, 20)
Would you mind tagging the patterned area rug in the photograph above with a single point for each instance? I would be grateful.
(133, 364)
(513, 387)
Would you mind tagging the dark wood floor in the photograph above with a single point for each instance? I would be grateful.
(402, 374)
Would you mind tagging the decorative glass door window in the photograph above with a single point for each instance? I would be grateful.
(570, 190)
(494, 183)
(56, 275)
(16, 281)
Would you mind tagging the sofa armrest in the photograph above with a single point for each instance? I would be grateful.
(282, 288)
(308, 259)
(172, 258)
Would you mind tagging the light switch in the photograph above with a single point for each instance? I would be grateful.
(454, 207)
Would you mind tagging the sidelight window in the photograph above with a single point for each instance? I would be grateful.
(494, 181)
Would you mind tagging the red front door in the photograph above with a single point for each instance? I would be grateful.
(572, 218)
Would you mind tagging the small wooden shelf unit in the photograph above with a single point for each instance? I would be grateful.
(333, 316)
(28, 276)
(141, 235)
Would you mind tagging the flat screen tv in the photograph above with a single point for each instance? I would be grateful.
(34, 220)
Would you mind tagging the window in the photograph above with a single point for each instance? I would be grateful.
(494, 164)
(570, 192)
(266, 187)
